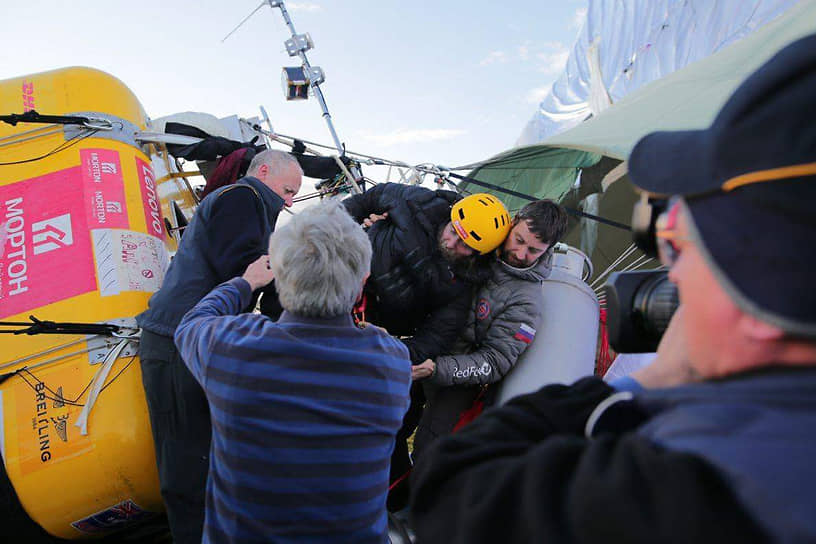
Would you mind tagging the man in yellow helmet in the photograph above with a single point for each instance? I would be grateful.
(423, 269)
(505, 315)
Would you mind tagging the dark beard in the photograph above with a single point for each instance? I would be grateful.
(448, 254)
(509, 259)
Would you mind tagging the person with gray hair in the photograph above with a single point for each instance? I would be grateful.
(321, 240)
(229, 231)
(305, 409)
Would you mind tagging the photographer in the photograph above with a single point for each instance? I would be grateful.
(713, 441)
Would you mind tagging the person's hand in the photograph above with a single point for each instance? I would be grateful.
(423, 370)
(366, 324)
(258, 273)
(671, 366)
(373, 218)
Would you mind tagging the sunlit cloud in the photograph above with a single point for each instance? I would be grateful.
(303, 6)
(524, 52)
(411, 136)
(494, 56)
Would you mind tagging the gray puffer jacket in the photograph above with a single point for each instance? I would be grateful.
(506, 314)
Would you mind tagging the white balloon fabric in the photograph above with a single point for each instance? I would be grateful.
(626, 44)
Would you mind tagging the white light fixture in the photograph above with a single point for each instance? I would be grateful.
(299, 43)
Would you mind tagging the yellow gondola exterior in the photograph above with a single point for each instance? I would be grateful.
(83, 240)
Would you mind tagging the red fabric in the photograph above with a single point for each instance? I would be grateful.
(470, 414)
(358, 312)
(473, 412)
(226, 171)
(604, 356)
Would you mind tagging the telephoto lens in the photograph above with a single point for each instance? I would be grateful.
(639, 307)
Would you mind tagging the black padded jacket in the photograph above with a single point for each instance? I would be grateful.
(412, 291)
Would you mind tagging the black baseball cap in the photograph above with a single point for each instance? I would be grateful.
(749, 182)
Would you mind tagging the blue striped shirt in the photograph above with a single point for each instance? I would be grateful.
(304, 414)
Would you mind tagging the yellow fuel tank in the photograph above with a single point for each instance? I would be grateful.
(82, 240)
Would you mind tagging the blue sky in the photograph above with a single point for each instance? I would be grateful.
(447, 82)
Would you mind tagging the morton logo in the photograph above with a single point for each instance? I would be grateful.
(52, 234)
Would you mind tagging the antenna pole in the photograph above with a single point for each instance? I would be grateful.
(315, 86)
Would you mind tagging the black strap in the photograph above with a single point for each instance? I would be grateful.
(32, 116)
(511, 192)
(51, 327)
(264, 213)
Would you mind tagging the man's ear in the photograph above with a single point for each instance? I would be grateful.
(756, 329)
(263, 170)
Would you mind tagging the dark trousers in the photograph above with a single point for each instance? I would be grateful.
(401, 459)
(180, 420)
(443, 409)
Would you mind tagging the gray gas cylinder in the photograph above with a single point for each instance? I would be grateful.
(565, 343)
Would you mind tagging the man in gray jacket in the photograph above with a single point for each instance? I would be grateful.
(502, 323)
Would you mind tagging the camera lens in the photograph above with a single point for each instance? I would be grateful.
(654, 304)
(640, 305)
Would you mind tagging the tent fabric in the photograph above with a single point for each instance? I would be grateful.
(537, 171)
(625, 44)
(686, 99)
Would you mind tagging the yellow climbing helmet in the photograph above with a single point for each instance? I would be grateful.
(481, 221)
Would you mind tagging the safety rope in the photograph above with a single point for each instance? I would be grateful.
(399, 480)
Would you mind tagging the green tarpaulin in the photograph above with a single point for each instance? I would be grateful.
(686, 99)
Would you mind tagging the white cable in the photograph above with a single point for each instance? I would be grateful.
(98, 382)
(646, 260)
(628, 251)
(634, 265)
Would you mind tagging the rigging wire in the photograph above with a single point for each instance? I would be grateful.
(445, 172)
(62, 147)
(628, 251)
(61, 398)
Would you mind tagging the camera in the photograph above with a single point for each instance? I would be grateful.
(640, 304)
(639, 307)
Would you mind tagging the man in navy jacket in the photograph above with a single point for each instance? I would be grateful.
(230, 230)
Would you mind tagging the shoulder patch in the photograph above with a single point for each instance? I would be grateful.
(482, 308)
(525, 333)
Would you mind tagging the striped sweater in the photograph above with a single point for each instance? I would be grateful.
(304, 414)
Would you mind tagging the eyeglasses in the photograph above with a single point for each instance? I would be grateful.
(666, 234)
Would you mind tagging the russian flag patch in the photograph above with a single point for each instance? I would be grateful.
(525, 333)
